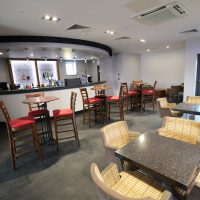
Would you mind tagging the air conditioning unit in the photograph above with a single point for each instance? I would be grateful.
(170, 11)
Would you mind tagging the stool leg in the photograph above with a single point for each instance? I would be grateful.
(12, 150)
(56, 133)
(75, 129)
(34, 132)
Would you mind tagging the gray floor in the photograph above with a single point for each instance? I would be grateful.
(65, 175)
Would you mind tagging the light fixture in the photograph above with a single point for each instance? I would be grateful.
(54, 19)
(1, 53)
(56, 56)
(60, 59)
(32, 55)
(167, 47)
(51, 18)
(110, 32)
(45, 58)
(85, 60)
(148, 50)
(47, 17)
(27, 58)
(93, 61)
(142, 40)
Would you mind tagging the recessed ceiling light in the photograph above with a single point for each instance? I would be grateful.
(110, 32)
(1, 53)
(54, 19)
(167, 47)
(47, 17)
(56, 56)
(32, 55)
(142, 40)
(148, 50)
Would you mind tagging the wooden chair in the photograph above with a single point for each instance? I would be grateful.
(193, 99)
(148, 95)
(18, 140)
(137, 84)
(173, 93)
(89, 105)
(115, 136)
(165, 108)
(62, 115)
(110, 184)
(181, 129)
(131, 97)
(39, 113)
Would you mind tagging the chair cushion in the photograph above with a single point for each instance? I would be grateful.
(36, 113)
(137, 185)
(20, 122)
(92, 100)
(113, 98)
(62, 112)
(147, 92)
(133, 92)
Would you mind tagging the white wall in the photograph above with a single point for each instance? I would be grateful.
(4, 75)
(167, 67)
(192, 49)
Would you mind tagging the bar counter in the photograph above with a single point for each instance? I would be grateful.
(13, 99)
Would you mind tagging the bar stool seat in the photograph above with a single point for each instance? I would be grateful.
(62, 112)
(133, 92)
(147, 92)
(92, 100)
(21, 122)
(113, 98)
(37, 113)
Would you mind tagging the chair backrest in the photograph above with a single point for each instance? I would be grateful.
(73, 100)
(137, 83)
(98, 90)
(5, 114)
(193, 99)
(84, 94)
(125, 87)
(31, 95)
(181, 129)
(174, 90)
(162, 107)
(115, 134)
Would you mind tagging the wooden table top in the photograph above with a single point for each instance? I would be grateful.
(169, 159)
(101, 87)
(42, 99)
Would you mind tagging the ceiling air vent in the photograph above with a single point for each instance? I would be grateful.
(170, 11)
(190, 31)
(123, 38)
(77, 27)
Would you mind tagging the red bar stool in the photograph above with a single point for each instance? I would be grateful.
(38, 112)
(90, 104)
(116, 102)
(130, 96)
(17, 141)
(63, 115)
(148, 95)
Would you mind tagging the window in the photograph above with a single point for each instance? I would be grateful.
(71, 68)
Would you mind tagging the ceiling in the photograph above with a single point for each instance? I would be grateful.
(24, 17)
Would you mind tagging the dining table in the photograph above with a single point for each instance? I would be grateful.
(43, 100)
(173, 162)
(187, 108)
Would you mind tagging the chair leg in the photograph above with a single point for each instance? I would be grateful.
(12, 151)
(34, 132)
(75, 129)
(56, 134)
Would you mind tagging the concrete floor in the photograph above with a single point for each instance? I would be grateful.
(64, 175)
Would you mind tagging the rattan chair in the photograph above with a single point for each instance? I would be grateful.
(62, 123)
(110, 184)
(115, 136)
(181, 129)
(193, 99)
(165, 108)
(19, 136)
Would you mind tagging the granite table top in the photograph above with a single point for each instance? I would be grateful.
(187, 108)
(171, 160)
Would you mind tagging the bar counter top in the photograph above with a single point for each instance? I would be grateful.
(21, 91)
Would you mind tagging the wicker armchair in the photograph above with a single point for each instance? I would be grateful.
(181, 129)
(165, 108)
(193, 99)
(115, 136)
(110, 184)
